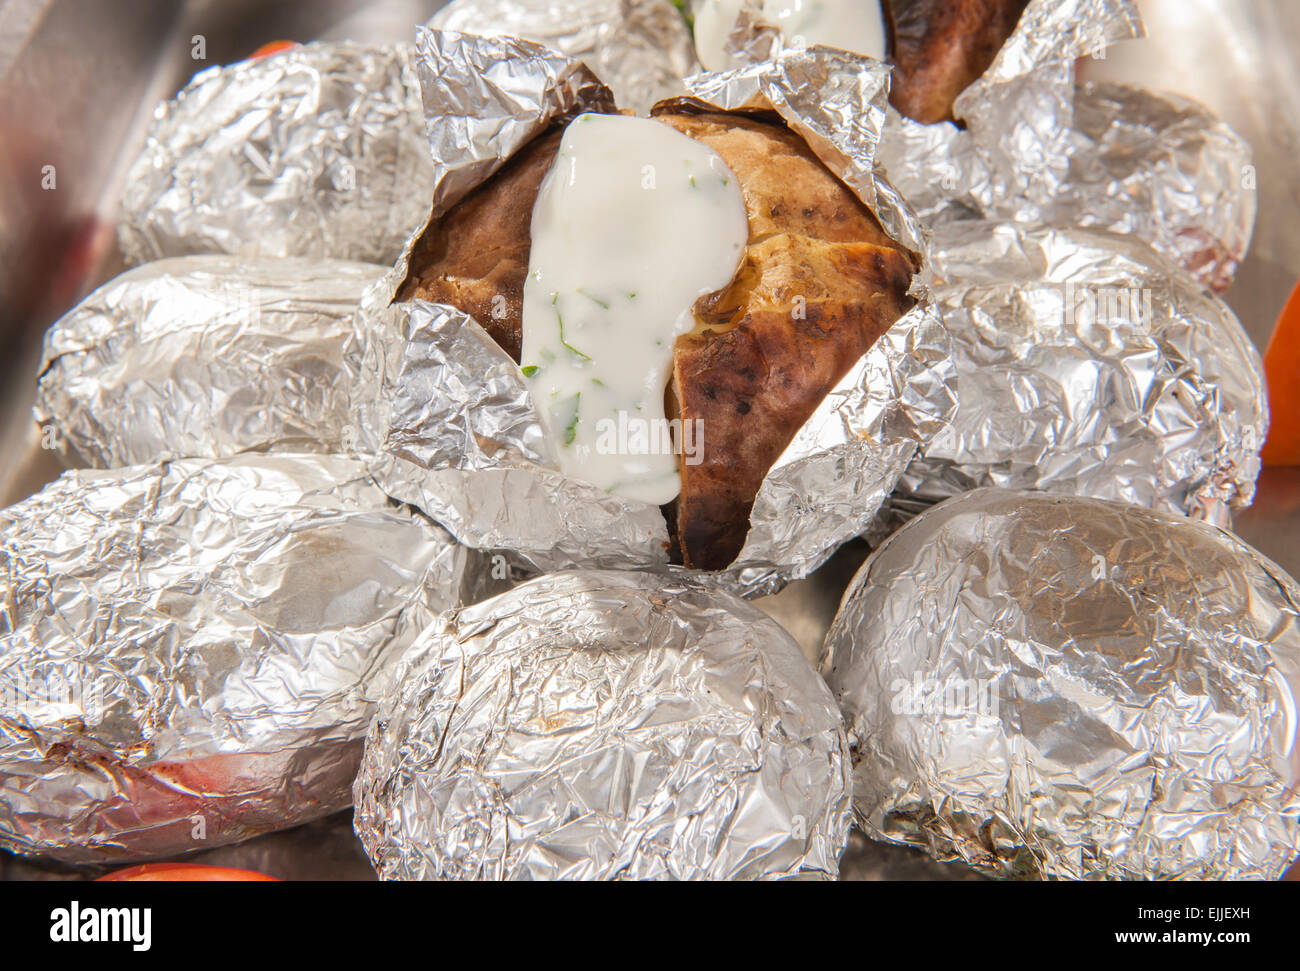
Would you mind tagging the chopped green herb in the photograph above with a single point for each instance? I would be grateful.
(693, 185)
(597, 382)
(596, 300)
(560, 319)
(529, 370)
(569, 417)
(632, 296)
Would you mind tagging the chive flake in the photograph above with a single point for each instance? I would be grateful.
(560, 319)
(596, 300)
(571, 425)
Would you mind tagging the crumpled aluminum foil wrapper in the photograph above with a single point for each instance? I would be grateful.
(206, 356)
(641, 48)
(318, 151)
(189, 651)
(1161, 167)
(605, 725)
(1074, 688)
(447, 415)
(1090, 366)
(1040, 148)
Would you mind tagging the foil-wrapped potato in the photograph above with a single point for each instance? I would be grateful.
(317, 151)
(205, 356)
(1073, 688)
(1089, 366)
(189, 651)
(818, 283)
(605, 725)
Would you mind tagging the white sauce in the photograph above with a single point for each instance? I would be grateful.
(634, 222)
(853, 25)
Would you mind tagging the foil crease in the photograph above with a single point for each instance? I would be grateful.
(318, 151)
(446, 416)
(1073, 688)
(605, 725)
(190, 651)
(641, 48)
(1161, 167)
(1090, 366)
(205, 356)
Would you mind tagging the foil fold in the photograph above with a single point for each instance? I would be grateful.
(641, 48)
(605, 725)
(476, 461)
(1089, 366)
(205, 356)
(1073, 688)
(190, 651)
(318, 151)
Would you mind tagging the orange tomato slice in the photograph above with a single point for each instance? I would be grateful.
(164, 872)
(1282, 368)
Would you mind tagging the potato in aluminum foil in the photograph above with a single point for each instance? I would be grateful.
(605, 725)
(205, 356)
(1073, 688)
(189, 651)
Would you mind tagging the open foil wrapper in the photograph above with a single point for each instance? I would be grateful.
(1089, 366)
(1073, 688)
(189, 651)
(206, 356)
(446, 414)
(1040, 148)
(1036, 147)
(641, 48)
(318, 151)
(605, 725)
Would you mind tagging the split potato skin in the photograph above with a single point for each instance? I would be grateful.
(478, 251)
(938, 47)
(819, 282)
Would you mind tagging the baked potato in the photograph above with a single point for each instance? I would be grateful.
(818, 283)
(938, 47)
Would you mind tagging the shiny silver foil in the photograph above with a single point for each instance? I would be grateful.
(446, 414)
(1161, 167)
(641, 48)
(1040, 148)
(605, 725)
(205, 356)
(1073, 688)
(317, 151)
(1090, 366)
(189, 651)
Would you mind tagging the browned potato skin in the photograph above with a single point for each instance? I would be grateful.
(480, 248)
(818, 284)
(940, 46)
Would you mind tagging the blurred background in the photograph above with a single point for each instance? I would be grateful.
(79, 80)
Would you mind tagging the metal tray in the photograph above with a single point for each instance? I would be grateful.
(83, 106)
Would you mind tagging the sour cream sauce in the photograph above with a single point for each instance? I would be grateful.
(853, 25)
(633, 223)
